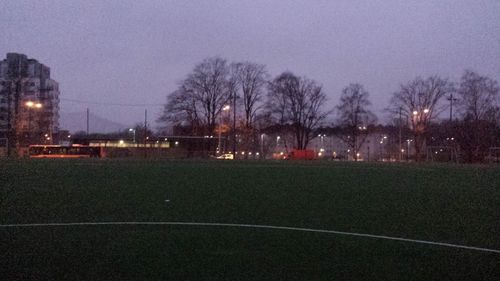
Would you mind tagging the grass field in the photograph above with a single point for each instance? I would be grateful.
(440, 203)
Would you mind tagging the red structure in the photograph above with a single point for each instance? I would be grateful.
(306, 154)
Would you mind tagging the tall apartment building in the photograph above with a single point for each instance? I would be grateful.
(29, 102)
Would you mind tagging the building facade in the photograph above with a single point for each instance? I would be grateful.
(29, 103)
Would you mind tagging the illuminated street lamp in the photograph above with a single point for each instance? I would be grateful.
(417, 113)
(226, 109)
(382, 150)
(30, 105)
(420, 121)
(322, 140)
(408, 149)
(132, 131)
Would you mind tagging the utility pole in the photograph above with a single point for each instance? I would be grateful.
(451, 99)
(88, 114)
(145, 132)
(234, 124)
(400, 133)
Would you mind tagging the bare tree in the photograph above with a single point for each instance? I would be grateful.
(479, 109)
(277, 97)
(354, 117)
(297, 101)
(209, 84)
(251, 79)
(200, 97)
(478, 95)
(420, 100)
(181, 109)
(277, 103)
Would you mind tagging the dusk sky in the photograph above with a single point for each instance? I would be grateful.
(135, 52)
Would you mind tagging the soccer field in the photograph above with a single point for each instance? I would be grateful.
(229, 220)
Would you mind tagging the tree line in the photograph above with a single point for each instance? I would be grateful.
(241, 100)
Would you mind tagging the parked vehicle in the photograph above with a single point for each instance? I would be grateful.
(306, 154)
(227, 156)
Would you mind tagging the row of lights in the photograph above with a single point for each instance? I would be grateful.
(32, 104)
(242, 152)
(415, 113)
(122, 141)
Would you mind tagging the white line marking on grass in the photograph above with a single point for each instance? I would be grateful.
(256, 226)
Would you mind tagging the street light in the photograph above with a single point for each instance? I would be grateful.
(225, 108)
(262, 144)
(382, 152)
(30, 105)
(408, 149)
(322, 141)
(132, 131)
(419, 121)
(418, 114)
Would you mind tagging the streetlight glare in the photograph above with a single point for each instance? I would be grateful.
(415, 112)
(31, 104)
(226, 108)
(426, 110)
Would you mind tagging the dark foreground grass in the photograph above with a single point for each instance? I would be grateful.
(451, 204)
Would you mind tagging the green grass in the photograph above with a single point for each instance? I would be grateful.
(442, 203)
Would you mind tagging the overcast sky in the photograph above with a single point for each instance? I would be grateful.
(135, 52)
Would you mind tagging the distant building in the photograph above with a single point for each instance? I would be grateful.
(29, 103)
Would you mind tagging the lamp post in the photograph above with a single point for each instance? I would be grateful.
(362, 129)
(262, 145)
(408, 150)
(225, 109)
(383, 150)
(419, 122)
(30, 105)
(132, 131)
(400, 134)
(322, 141)
(451, 99)
(234, 124)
